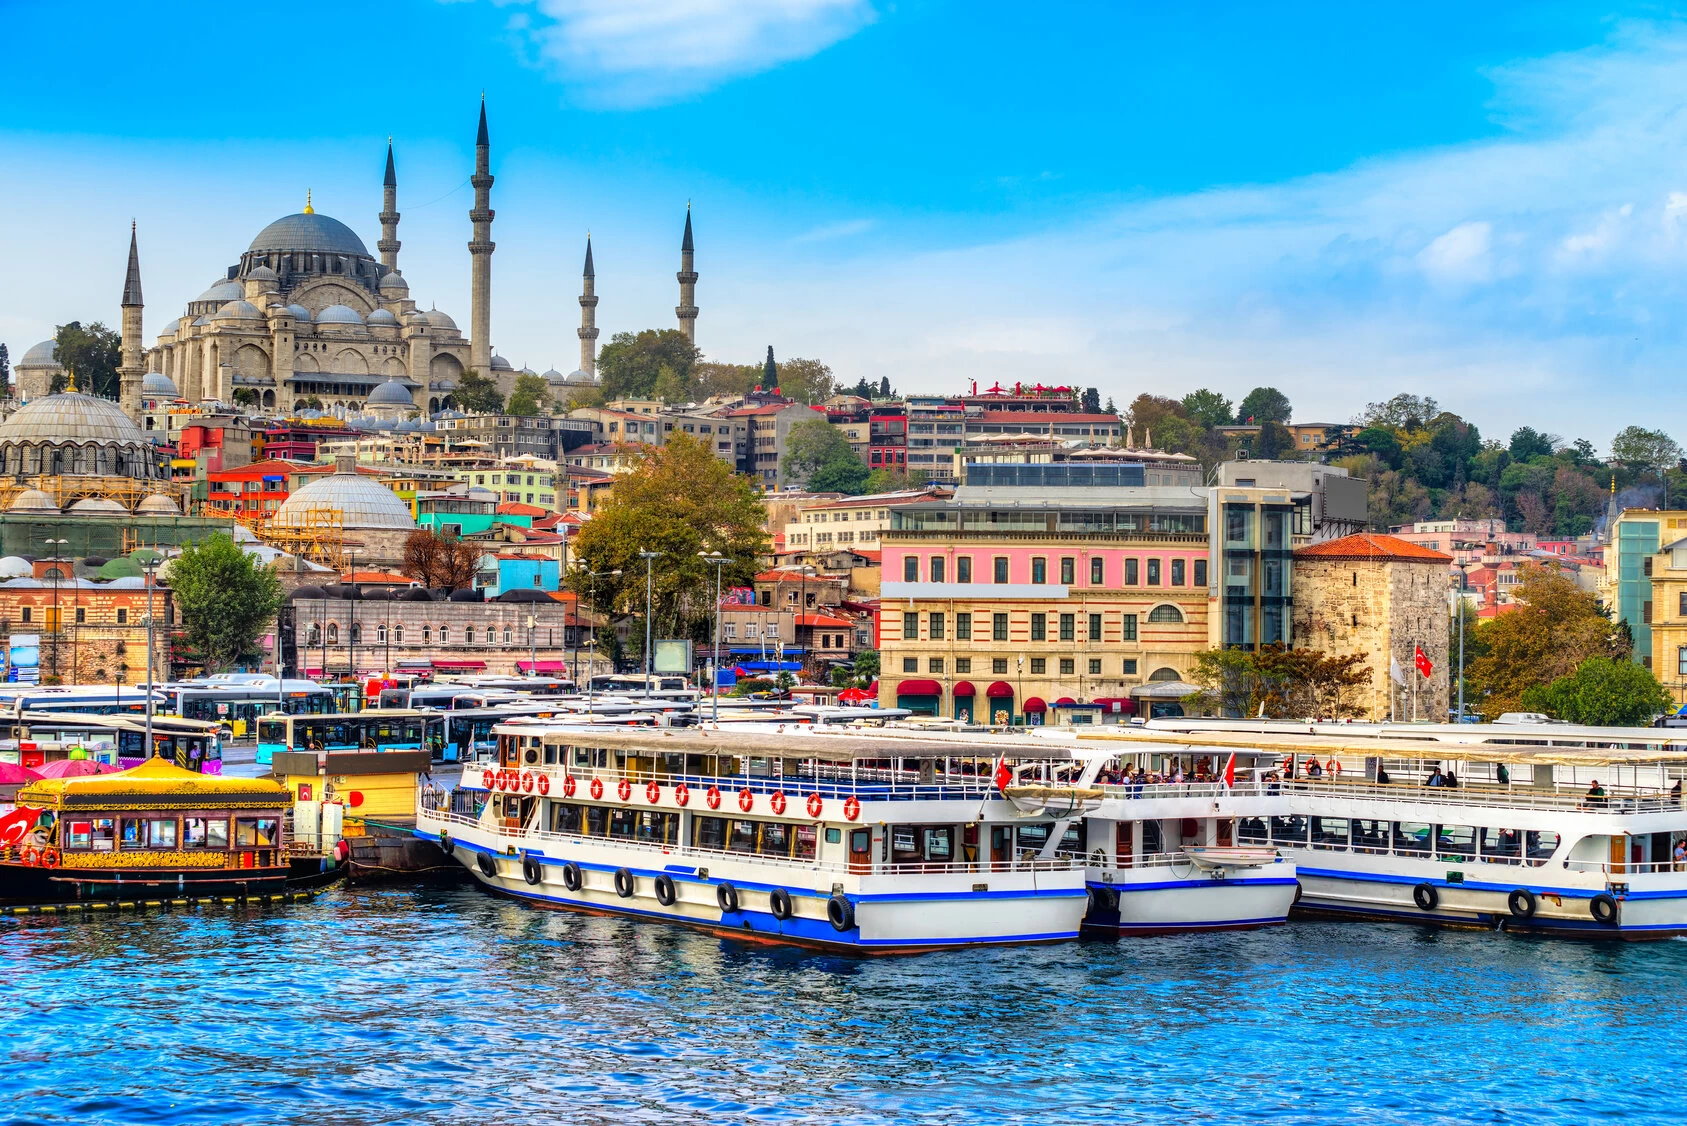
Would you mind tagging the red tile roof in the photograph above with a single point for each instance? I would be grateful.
(376, 577)
(516, 508)
(823, 621)
(1372, 546)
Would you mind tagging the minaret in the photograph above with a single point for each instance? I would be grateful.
(129, 374)
(389, 244)
(588, 315)
(480, 254)
(686, 311)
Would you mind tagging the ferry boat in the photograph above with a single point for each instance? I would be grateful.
(1536, 828)
(794, 834)
(155, 831)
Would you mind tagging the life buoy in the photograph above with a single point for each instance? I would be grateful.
(527, 781)
(544, 781)
(624, 885)
(597, 788)
(488, 867)
(49, 857)
(727, 897)
(665, 893)
(532, 871)
(713, 797)
(779, 902)
(568, 785)
(1426, 897)
(682, 794)
(815, 805)
(1604, 910)
(776, 802)
(840, 912)
(652, 792)
(746, 800)
(1522, 903)
(624, 789)
(486, 779)
(852, 808)
(572, 877)
(30, 856)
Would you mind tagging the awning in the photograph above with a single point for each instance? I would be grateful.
(419, 664)
(1035, 704)
(542, 666)
(1163, 690)
(919, 688)
(963, 689)
(1065, 702)
(1000, 690)
(470, 666)
(752, 651)
(1115, 705)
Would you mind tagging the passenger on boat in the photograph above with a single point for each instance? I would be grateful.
(1675, 794)
(1502, 775)
(1680, 853)
(1450, 780)
(1382, 776)
(1435, 778)
(1313, 770)
(1595, 795)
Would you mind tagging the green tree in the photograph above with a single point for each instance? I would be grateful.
(1275, 441)
(477, 393)
(730, 381)
(5, 367)
(806, 381)
(670, 387)
(529, 396)
(818, 453)
(226, 599)
(1090, 401)
(1554, 628)
(630, 363)
(1279, 682)
(1527, 442)
(91, 354)
(1403, 412)
(1263, 404)
(886, 481)
(1602, 692)
(1643, 450)
(866, 666)
(1209, 408)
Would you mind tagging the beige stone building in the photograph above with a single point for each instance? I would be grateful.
(1382, 597)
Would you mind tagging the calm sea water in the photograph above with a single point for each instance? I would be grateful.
(447, 1005)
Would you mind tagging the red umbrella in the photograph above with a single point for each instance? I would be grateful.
(13, 775)
(76, 768)
(852, 696)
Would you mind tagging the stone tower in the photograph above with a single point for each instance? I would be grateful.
(133, 366)
(480, 254)
(588, 315)
(389, 244)
(686, 311)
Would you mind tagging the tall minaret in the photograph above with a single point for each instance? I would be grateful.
(480, 254)
(588, 315)
(686, 311)
(133, 366)
(389, 244)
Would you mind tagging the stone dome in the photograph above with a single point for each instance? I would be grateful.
(70, 417)
(299, 312)
(395, 281)
(241, 310)
(501, 364)
(554, 376)
(118, 569)
(308, 232)
(98, 504)
(261, 274)
(222, 290)
(440, 320)
(579, 375)
(392, 393)
(359, 501)
(32, 500)
(382, 317)
(44, 354)
(339, 315)
(157, 505)
(157, 383)
(202, 321)
(16, 567)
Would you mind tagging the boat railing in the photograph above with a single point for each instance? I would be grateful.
(1099, 858)
(700, 856)
(864, 786)
(1519, 796)
(1621, 869)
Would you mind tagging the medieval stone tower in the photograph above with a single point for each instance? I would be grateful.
(389, 244)
(588, 315)
(480, 254)
(686, 311)
(133, 364)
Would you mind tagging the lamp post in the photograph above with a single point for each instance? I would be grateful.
(591, 580)
(149, 565)
(351, 629)
(532, 646)
(649, 558)
(716, 560)
(55, 546)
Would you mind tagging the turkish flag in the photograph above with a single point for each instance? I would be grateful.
(16, 825)
(1230, 772)
(1421, 661)
(1004, 776)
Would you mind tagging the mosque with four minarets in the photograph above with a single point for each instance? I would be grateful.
(307, 313)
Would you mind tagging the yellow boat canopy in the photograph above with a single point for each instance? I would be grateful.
(155, 784)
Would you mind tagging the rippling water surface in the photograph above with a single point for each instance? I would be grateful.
(422, 1006)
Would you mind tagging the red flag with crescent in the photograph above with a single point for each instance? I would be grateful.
(16, 825)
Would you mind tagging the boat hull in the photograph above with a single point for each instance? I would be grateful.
(1161, 900)
(28, 885)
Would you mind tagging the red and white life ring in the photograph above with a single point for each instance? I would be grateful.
(682, 794)
(652, 792)
(852, 808)
(498, 781)
(815, 805)
(713, 797)
(527, 781)
(544, 781)
(624, 789)
(597, 788)
(568, 785)
(776, 801)
(745, 800)
(486, 779)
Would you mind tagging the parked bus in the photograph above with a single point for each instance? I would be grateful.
(237, 705)
(37, 738)
(633, 684)
(79, 699)
(381, 729)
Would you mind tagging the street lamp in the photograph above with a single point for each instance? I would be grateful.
(54, 546)
(649, 558)
(149, 565)
(717, 561)
(591, 582)
(532, 646)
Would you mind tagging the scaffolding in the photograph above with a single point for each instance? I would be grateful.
(66, 491)
(319, 536)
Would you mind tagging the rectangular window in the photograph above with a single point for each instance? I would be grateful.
(205, 832)
(963, 664)
(1177, 572)
(1000, 567)
(998, 665)
(1095, 666)
(709, 832)
(935, 624)
(910, 664)
(963, 627)
(937, 569)
(1682, 609)
(81, 614)
(934, 664)
(1067, 666)
(910, 569)
(998, 627)
(1039, 571)
(1131, 572)
(1039, 627)
(1068, 570)
(910, 626)
(1068, 627)
(1127, 630)
(1095, 571)
(1681, 660)
(26, 616)
(963, 569)
(122, 616)
(1039, 665)
(1128, 667)
(1095, 627)
(1153, 572)
(1200, 572)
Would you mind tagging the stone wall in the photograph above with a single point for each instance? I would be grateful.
(427, 631)
(1378, 609)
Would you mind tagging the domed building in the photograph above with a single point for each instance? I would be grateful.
(37, 370)
(353, 504)
(75, 435)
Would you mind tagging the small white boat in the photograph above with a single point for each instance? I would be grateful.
(1054, 801)
(1212, 857)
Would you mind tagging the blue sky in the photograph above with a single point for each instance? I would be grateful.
(1485, 203)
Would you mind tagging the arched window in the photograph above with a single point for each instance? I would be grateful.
(1165, 674)
(314, 635)
(333, 632)
(398, 635)
(381, 634)
(468, 635)
(506, 635)
(1165, 612)
(427, 634)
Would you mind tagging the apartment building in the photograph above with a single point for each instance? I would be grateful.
(850, 522)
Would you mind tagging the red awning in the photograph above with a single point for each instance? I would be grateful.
(919, 688)
(471, 666)
(542, 666)
(1064, 702)
(1000, 690)
(963, 689)
(1035, 704)
(1114, 705)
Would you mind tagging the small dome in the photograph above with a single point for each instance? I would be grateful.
(392, 393)
(15, 567)
(439, 320)
(127, 582)
(554, 376)
(305, 593)
(466, 595)
(382, 317)
(119, 569)
(238, 311)
(415, 594)
(94, 562)
(359, 501)
(157, 383)
(31, 500)
(524, 594)
(395, 282)
(299, 312)
(157, 505)
(44, 354)
(339, 315)
(261, 274)
(578, 375)
(70, 417)
(223, 290)
(205, 320)
(98, 505)
(309, 232)
(501, 364)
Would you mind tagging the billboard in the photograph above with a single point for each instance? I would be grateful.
(673, 657)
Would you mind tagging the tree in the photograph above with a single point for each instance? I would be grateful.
(5, 368)
(1403, 412)
(730, 381)
(817, 451)
(530, 394)
(90, 354)
(309, 402)
(1263, 404)
(1275, 441)
(1527, 442)
(1643, 450)
(671, 387)
(477, 393)
(769, 372)
(1602, 692)
(1209, 408)
(884, 387)
(1090, 401)
(630, 363)
(1280, 682)
(806, 381)
(678, 499)
(1553, 629)
(439, 560)
(886, 481)
(866, 666)
(226, 598)
(246, 396)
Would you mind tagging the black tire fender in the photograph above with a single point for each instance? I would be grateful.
(1604, 910)
(624, 884)
(727, 897)
(779, 902)
(665, 893)
(531, 870)
(1522, 903)
(572, 878)
(488, 866)
(1103, 900)
(1426, 897)
(840, 912)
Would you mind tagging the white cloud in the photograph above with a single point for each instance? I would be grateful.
(1459, 255)
(829, 232)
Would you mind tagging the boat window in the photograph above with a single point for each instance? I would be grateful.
(622, 822)
(102, 836)
(1539, 847)
(833, 836)
(1455, 840)
(550, 754)
(1501, 846)
(1411, 837)
(565, 818)
(1288, 830)
(204, 832)
(940, 843)
(134, 832)
(161, 832)
(742, 837)
(77, 835)
(1329, 832)
(807, 841)
(1251, 830)
(1370, 836)
(256, 832)
(1030, 837)
(710, 832)
(775, 839)
(597, 821)
(657, 827)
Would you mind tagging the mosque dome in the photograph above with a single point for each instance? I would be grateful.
(554, 376)
(70, 417)
(157, 505)
(119, 568)
(202, 321)
(157, 383)
(579, 375)
(238, 311)
(43, 354)
(222, 290)
(32, 500)
(395, 281)
(299, 312)
(98, 505)
(440, 320)
(339, 315)
(16, 566)
(309, 232)
(261, 274)
(382, 317)
(392, 393)
(359, 501)
(501, 364)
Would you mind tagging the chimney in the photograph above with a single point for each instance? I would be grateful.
(345, 463)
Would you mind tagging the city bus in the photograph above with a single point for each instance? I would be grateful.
(37, 738)
(467, 731)
(79, 699)
(380, 729)
(237, 704)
